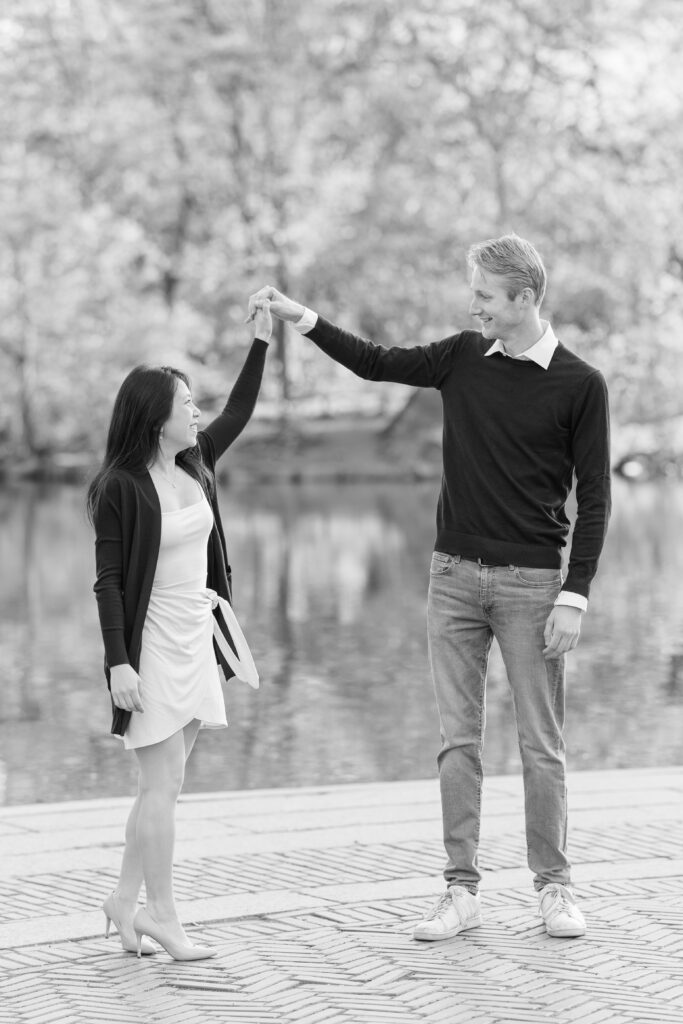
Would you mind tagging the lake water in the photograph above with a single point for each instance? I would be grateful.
(330, 588)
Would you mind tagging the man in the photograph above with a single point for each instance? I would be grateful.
(521, 414)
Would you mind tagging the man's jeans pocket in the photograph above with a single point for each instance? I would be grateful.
(538, 577)
(441, 563)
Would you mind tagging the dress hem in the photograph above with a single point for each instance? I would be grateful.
(167, 735)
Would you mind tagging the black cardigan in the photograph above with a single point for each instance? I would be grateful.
(128, 533)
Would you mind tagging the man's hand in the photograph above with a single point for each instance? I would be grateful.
(280, 306)
(124, 684)
(561, 633)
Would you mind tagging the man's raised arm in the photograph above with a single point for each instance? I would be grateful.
(417, 365)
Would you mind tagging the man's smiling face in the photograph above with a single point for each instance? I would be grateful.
(499, 315)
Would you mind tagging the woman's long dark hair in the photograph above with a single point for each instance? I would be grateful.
(142, 406)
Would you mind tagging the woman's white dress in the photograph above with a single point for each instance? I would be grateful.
(179, 678)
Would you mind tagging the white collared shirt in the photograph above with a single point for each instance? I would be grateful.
(541, 353)
(307, 321)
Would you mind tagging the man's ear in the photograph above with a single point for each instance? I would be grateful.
(527, 296)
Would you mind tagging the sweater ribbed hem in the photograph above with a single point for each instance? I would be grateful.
(499, 552)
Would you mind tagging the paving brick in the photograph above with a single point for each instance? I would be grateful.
(353, 960)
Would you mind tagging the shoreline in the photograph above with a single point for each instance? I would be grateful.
(338, 451)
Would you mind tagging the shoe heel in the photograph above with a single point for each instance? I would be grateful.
(138, 936)
(107, 926)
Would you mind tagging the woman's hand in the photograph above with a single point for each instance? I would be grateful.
(283, 307)
(263, 322)
(124, 683)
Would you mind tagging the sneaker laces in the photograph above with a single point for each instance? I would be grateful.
(561, 900)
(440, 906)
(452, 897)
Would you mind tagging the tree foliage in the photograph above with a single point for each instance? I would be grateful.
(162, 160)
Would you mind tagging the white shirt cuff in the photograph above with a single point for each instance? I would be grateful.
(566, 597)
(307, 321)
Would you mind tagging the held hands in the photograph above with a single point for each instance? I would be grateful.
(262, 320)
(280, 306)
(562, 630)
(125, 688)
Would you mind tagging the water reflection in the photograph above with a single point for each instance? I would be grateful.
(330, 586)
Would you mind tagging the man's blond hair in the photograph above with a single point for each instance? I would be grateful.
(514, 258)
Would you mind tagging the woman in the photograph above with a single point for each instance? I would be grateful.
(161, 567)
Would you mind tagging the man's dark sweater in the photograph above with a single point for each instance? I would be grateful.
(513, 435)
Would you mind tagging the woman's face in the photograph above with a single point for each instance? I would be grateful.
(180, 429)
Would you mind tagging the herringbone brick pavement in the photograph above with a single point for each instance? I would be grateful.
(363, 966)
(76, 890)
(338, 957)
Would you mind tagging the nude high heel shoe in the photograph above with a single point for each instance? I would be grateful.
(144, 924)
(112, 912)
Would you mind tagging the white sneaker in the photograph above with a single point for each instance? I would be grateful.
(455, 911)
(557, 907)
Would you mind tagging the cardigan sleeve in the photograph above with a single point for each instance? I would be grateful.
(109, 565)
(230, 423)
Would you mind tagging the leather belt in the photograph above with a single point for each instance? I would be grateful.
(487, 565)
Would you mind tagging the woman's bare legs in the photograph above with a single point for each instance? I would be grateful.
(131, 875)
(190, 735)
(122, 903)
(162, 771)
(163, 774)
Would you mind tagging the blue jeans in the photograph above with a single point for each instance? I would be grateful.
(468, 605)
